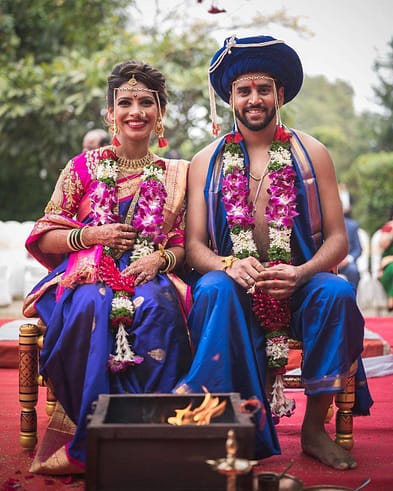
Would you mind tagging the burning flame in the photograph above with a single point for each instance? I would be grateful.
(201, 415)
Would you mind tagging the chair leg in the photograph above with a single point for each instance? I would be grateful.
(50, 395)
(344, 402)
(51, 401)
(28, 384)
(344, 418)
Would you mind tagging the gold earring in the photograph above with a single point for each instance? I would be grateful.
(115, 140)
(159, 127)
(159, 131)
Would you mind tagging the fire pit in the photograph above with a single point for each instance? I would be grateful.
(131, 445)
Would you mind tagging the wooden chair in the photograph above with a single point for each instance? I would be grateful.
(344, 402)
(30, 342)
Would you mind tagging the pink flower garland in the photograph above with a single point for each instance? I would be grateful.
(103, 196)
(273, 314)
(149, 216)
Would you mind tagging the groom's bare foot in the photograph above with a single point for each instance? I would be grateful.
(320, 446)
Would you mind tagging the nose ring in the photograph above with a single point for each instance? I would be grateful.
(142, 113)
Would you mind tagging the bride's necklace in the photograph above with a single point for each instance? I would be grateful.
(133, 164)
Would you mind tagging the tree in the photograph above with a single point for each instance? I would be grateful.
(384, 94)
(182, 46)
(54, 57)
(325, 110)
(370, 184)
(183, 58)
(370, 178)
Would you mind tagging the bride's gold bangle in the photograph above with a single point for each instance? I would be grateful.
(81, 238)
(75, 240)
(170, 260)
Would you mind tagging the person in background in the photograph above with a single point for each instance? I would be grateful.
(95, 138)
(112, 237)
(386, 266)
(264, 231)
(348, 266)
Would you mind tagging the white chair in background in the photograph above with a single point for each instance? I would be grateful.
(363, 262)
(371, 294)
(5, 267)
(375, 254)
(34, 272)
(13, 235)
(5, 292)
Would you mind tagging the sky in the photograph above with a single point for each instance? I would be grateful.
(348, 35)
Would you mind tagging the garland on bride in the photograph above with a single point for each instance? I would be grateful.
(148, 221)
(272, 314)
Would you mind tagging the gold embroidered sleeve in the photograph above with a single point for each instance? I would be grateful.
(67, 193)
(180, 222)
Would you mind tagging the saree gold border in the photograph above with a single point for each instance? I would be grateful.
(176, 174)
(28, 309)
(128, 187)
(311, 191)
(337, 381)
(214, 185)
(175, 185)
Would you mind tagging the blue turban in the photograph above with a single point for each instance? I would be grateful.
(257, 54)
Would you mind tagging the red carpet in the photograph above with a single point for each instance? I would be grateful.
(8, 347)
(14, 462)
(373, 434)
(373, 439)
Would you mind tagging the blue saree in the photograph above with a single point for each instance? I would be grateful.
(78, 339)
(78, 343)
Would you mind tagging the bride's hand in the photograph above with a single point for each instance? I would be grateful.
(145, 269)
(119, 236)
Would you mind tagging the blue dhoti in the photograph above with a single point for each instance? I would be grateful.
(230, 350)
(230, 343)
(326, 318)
